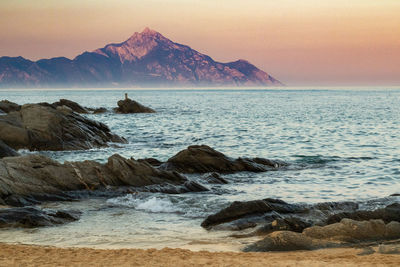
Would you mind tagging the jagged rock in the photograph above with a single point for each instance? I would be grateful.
(29, 217)
(6, 151)
(203, 159)
(7, 106)
(72, 105)
(240, 209)
(214, 178)
(387, 214)
(152, 161)
(43, 127)
(131, 106)
(31, 179)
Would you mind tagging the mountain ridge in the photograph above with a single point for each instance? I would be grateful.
(145, 59)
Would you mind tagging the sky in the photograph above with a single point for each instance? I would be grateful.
(308, 42)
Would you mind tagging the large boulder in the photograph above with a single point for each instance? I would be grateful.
(239, 209)
(387, 214)
(131, 106)
(28, 217)
(35, 178)
(348, 230)
(346, 233)
(6, 151)
(203, 159)
(43, 127)
(7, 106)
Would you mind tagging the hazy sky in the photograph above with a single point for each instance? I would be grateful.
(308, 42)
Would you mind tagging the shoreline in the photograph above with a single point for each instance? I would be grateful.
(31, 255)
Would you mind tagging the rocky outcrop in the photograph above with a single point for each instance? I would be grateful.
(343, 234)
(28, 217)
(214, 178)
(44, 127)
(203, 159)
(34, 178)
(131, 106)
(6, 151)
(7, 106)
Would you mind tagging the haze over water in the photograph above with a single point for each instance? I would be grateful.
(340, 144)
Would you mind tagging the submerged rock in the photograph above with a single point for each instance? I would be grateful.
(99, 110)
(214, 178)
(43, 127)
(131, 106)
(203, 159)
(7, 106)
(29, 217)
(31, 179)
(6, 151)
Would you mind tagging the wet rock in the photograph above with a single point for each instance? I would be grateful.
(29, 217)
(348, 230)
(99, 110)
(283, 241)
(214, 178)
(395, 195)
(31, 179)
(203, 159)
(240, 209)
(7, 106)
(389, 249)
(43, 127)
(152, 161)
(189, 186)
(285, 224)
(6, 151)
(72, 105)
(387, 214)
(131, 106)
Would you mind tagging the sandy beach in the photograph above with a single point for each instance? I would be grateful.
(26, 255)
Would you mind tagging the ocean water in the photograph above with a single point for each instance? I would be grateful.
(341, 145)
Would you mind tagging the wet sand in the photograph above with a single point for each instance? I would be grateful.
(26, 255)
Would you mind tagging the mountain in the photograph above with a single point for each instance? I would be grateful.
(145, 59)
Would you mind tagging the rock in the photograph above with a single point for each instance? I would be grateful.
(283, 241)
(366, 251)
(344, 234)
(99, 110)
(389, 249)
(240, 209)
(6, 151)
(131, 106)
(203, 159)
(43, 127)
(285, 224)
(7, 106)
(72, 105)
(152, 161)
(29, 217)
(387, 214)
(31, 179)
(214, 178)
(348, 230)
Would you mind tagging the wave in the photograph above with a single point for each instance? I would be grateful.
(153, 204)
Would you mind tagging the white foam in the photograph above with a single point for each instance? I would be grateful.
(153, 204)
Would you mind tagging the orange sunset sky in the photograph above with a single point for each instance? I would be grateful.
(308, 42)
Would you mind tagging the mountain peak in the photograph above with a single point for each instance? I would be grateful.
(147, 30)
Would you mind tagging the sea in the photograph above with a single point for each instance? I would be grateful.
(341, 143)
